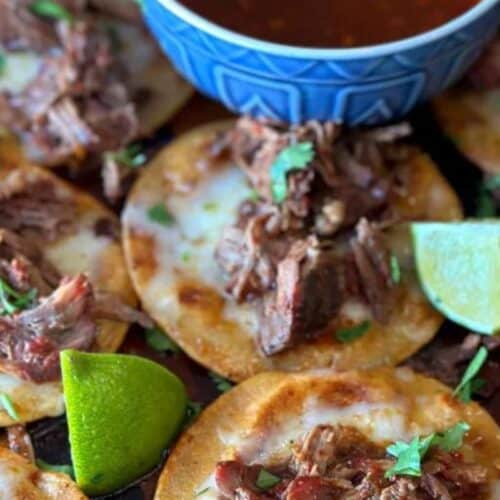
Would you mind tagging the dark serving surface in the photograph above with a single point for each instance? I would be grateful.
(50, 435)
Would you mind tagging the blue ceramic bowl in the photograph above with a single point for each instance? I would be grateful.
(366, 85)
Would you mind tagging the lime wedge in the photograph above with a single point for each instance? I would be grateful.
(122, 412)
(459, 269)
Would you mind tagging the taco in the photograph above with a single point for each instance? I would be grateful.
(20, 480)
(83, 79)
(63, 284)
(469, 113)
(322, 278)
(384, 434)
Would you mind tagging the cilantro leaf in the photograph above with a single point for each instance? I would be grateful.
(464, 389)
(453, 438)
(294, 157)
(201, 492)
(409, 456)
(158, 213)
(266, 480)
(12, 301)
(159, 341)
(185, 256)
(65, 469)
(222, 384)
(210, 206)
(395, 270)
(346, 335)
(3, 63)
(486, 206)
(50, 9)
(132, 156)
(194, 408)
(9, 407)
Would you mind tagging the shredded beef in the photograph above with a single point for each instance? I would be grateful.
(78, 102)
(20, 442)
(342, 194)
(109, 306)
(307, 296)
(30, 341)
(372, 260)
(338, 462)
(23, 265)
(34, 207)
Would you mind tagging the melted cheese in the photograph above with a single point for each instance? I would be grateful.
(188, 245)
(12, 478)
(43, 399)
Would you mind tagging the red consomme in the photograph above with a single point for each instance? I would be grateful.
(330, 23)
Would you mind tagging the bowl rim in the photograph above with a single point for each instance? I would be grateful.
(298, 52)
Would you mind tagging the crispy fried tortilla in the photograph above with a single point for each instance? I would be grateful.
(21, 480)
(98, 256)
(258, 420)
(175, 274)
(471, 119)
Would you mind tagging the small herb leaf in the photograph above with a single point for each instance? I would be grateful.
(222, 384)
(202, 492)
(159, 214)
(12, 301)
(464, 388)
(453, 438)
(50, 9)
(131, 156)
(266, 480)
(64, 469)
(395, 270)
(159, 341)
(353, 333)
(194, 408)
(294, 157)
(9, 407)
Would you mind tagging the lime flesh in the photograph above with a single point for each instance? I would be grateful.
(459, 269)
(122, 413)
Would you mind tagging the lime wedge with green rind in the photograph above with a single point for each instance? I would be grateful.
(122, 411)
(459, 268)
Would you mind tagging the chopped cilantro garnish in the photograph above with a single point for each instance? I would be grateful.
(469, 384)
(194, 408)
(9, 407)
(409, 456)
(294, 157)
(159, 213)
(353, 333)
(185, 256)
(3, 63)
(395, 270)
(486, 206)
(203, 491)
(131, 156)
(254, 195)
(12, 301)
(50, 9)
(160, 342)
(222, 384)
(266, 480)
(65, 469)
(210, 206)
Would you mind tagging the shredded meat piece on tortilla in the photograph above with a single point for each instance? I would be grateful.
(20, 442)
(340, 463)
(342, 195)
(30, 341)
(79, 101)
(34, 207)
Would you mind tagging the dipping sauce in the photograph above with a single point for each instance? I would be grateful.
(330, 23)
